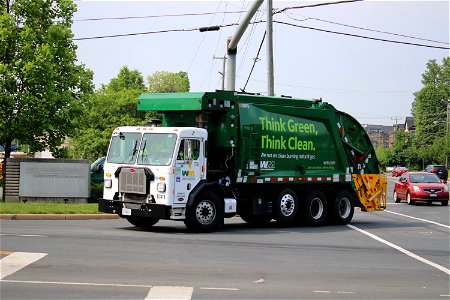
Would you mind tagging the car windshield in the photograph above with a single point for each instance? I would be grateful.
(424, 178)
(157, 149)
(123, 147)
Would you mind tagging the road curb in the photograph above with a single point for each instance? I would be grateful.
(58, 216)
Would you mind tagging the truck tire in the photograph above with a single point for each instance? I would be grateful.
(142, 222)
(314, 209)
(342, 208)
(205, 214)
(286, 207)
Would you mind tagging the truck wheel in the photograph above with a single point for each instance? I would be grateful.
(314, 209)
(286, 206)
(142, 222)
(396, 198)
(342, 209)
(205, 214)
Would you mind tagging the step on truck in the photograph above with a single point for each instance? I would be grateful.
(221, 154)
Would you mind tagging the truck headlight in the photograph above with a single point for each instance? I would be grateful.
(416, 188)
(108, 183)
(161, 187)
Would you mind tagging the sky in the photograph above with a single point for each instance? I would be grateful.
(372, 80)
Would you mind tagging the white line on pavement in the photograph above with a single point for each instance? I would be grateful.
(23, 235)
(77, 283)
(16, 261)
(419, 219)
(170, 292)
(404, 251)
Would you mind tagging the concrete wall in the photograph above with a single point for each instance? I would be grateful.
(47, 180)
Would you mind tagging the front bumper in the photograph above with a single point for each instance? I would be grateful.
(147, 210)
(421, 196)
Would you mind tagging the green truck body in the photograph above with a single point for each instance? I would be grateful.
(292, 160)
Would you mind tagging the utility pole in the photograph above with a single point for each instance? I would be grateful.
(447, 137)
(269, 30)
(224, 59)
(396, 120)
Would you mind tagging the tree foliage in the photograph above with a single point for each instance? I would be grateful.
(167, 82)
(430, 113)
(42, 88)
(115, 104)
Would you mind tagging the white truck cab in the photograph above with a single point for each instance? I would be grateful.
(155, 165)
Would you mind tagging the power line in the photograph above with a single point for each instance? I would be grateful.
(368, 29)
(361, 36)
(262, 21)
(315, 5)
(156, 16)
(254, 62)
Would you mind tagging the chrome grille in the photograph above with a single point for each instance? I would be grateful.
(132, 181)
(432, 190)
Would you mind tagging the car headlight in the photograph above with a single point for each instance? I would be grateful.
(416, 188)
(161, 187)
(108, 183)
(446, 188)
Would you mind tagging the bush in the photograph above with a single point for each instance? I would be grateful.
(96, 192)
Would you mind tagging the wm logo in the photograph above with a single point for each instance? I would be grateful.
(267, 165)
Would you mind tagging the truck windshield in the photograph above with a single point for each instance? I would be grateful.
(157, 149)
(124, 147)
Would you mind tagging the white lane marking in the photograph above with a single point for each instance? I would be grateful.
(325, 292)
(419, 219)
(170, 292)
(23, 235)
(219, 289)
(78, 283)
(16, 261)
(404, 251)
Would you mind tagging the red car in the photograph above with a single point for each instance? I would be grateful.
(420, 186)
(398, 171)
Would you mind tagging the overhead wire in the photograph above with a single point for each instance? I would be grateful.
(156, 16)
(366, 29)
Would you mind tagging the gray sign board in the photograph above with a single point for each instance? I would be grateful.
(54, 179)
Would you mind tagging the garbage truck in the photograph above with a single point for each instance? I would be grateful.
(216, 155)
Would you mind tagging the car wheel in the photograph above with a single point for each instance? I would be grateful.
(396, 198)
(444, 203)
(408, 199)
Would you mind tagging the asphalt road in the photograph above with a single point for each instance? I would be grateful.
(401, 253)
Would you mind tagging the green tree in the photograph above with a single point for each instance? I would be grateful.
(115, 104)
(384, 156)
(42, 88)
(430, 112)
(167, 82)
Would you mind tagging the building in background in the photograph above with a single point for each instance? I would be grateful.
(385, 135)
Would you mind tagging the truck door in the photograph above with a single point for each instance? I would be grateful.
(189, 168)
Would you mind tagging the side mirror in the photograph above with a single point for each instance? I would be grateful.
(402, 180)
(99, 168)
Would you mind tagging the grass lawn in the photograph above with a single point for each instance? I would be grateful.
(48, 208)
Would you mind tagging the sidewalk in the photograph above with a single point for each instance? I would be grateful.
(58, 216)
